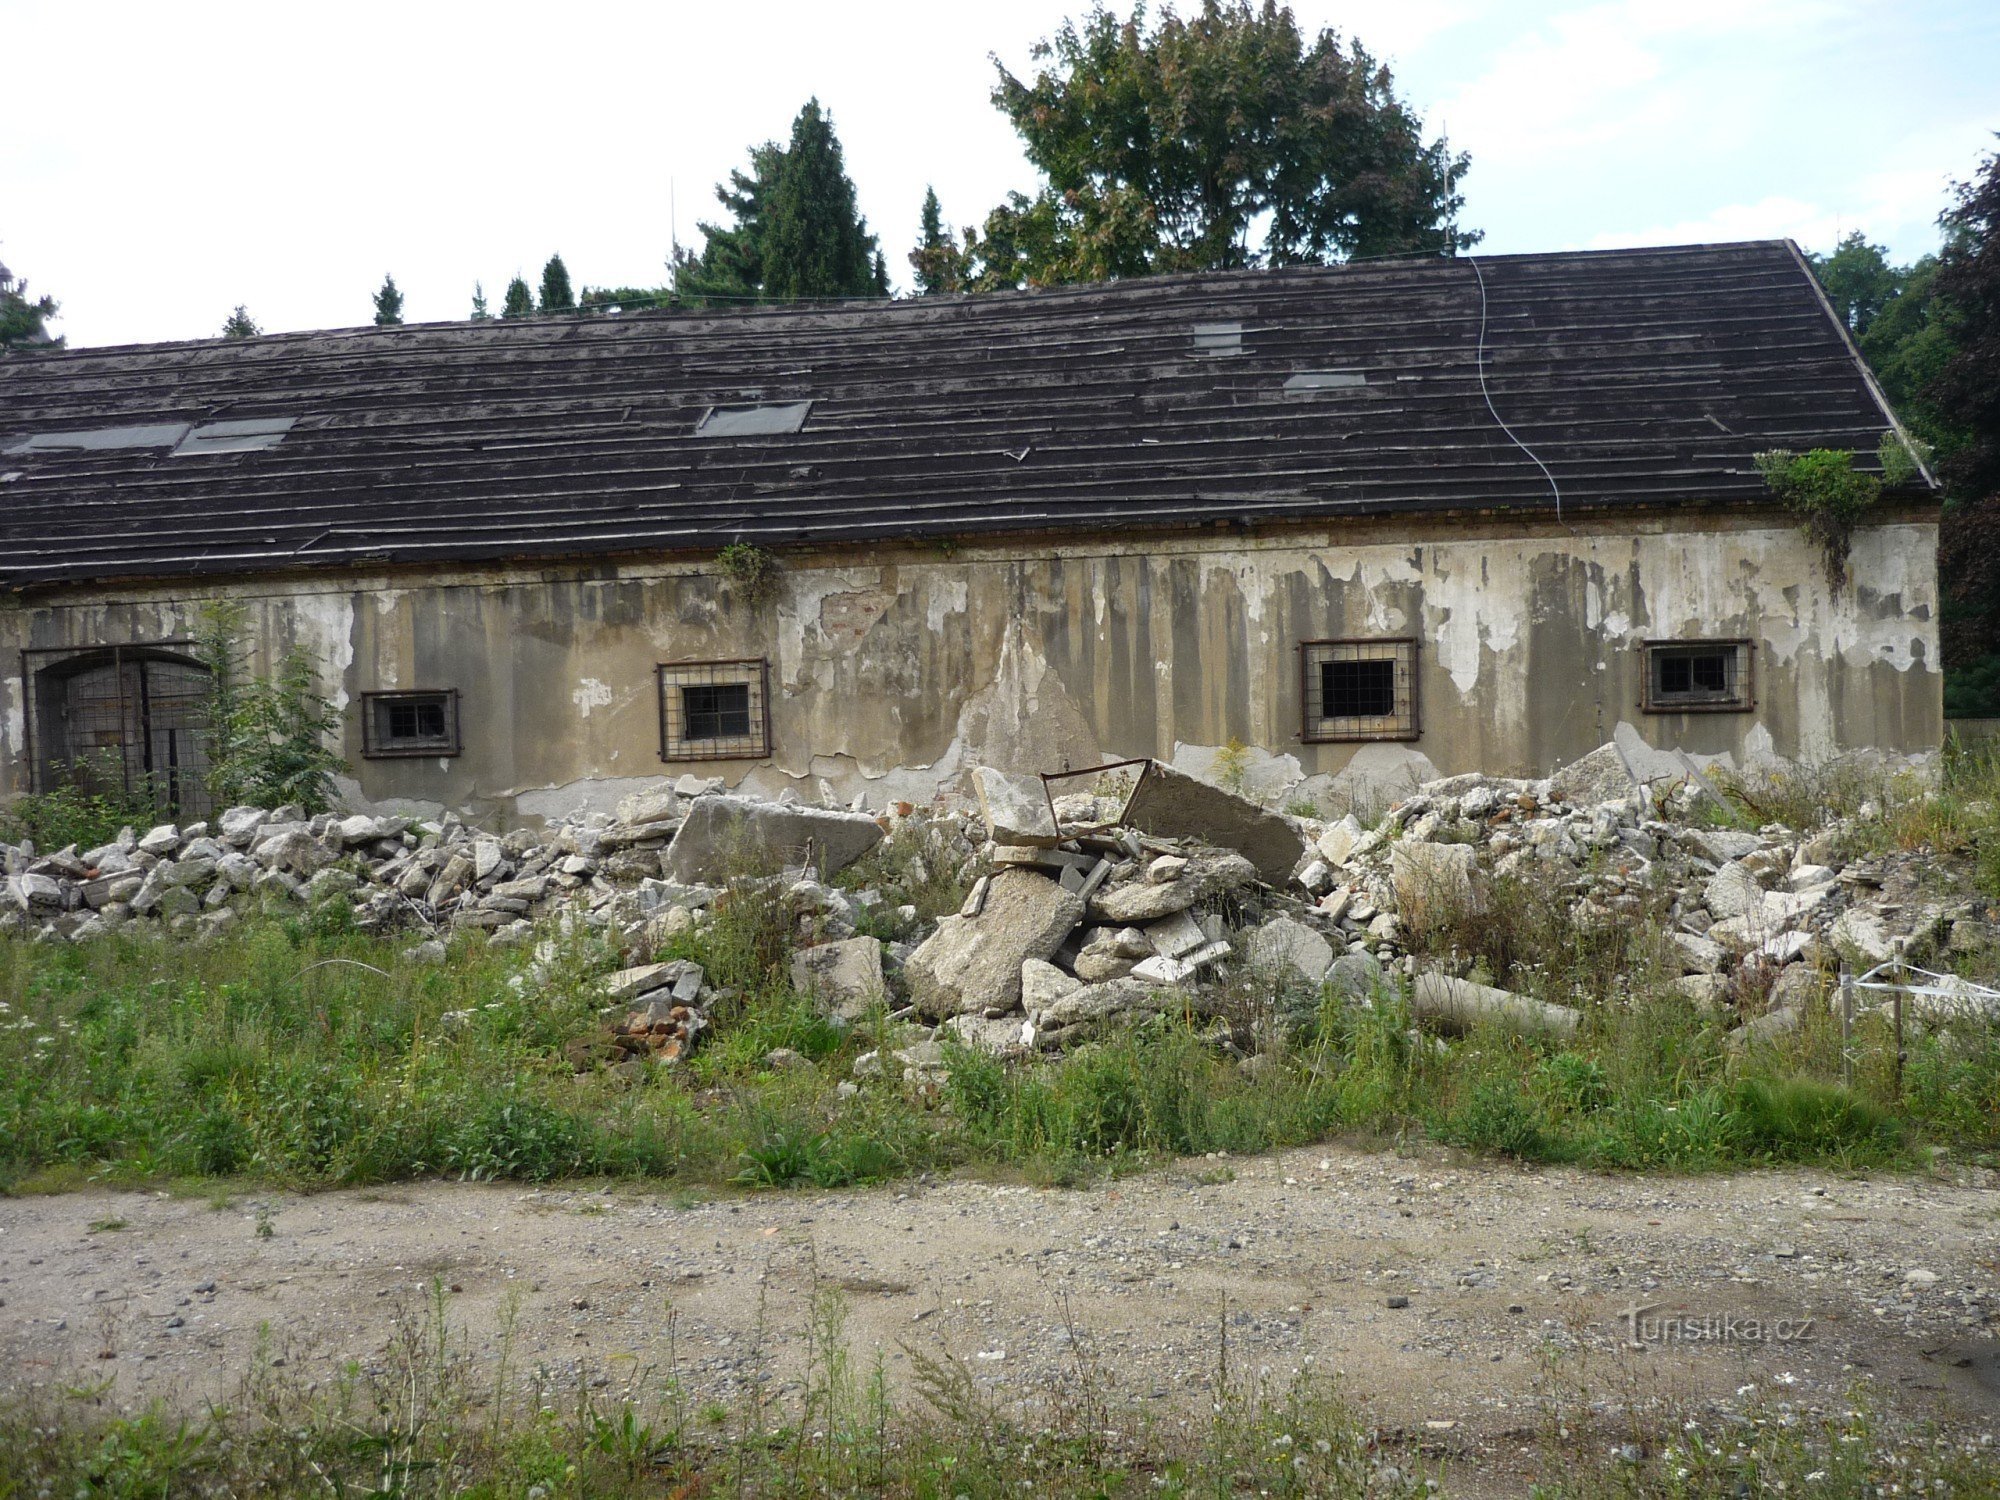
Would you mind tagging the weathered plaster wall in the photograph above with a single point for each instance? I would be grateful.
(895, 673)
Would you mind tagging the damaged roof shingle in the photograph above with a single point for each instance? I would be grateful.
(1639, 377)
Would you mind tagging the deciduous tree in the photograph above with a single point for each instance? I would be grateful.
(1224, 140)
(24, 320)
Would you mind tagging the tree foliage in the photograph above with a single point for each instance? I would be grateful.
(239, 324)
(269, 738)
(556, 293)
(24, 319)
(1967, 387)
(936, 260)
(388, 304)
(479, 309)
(519, 302)
(1225, 140)
(797, 231)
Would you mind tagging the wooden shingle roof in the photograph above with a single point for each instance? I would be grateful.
(1637, 377)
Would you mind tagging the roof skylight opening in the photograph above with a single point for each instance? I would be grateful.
(1216, 340)
(1310, 382)
(765, 419)
(102, 439)
(250, 435)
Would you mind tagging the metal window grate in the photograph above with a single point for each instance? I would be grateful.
(412, 724)
(1358, 690)
(125, 719)
(715, 710)
(1697, 677)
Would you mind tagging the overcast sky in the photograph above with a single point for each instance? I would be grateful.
(160, 163)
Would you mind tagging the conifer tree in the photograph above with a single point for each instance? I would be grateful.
(388, 304)
(936, 259)
(796, 232)
(479, 312)
(520, 302)
(556, 293)
(240, 325)
(816, 244)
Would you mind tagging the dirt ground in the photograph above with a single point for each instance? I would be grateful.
(1457, 1298)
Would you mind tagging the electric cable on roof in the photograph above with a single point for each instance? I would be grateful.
(1480, 364)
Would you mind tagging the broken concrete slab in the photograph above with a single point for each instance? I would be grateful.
(1357, 976)
(1288, 947)
(843, 979)
(1600, 776)
(1138, 902)
(1016, 809)
(726, 835)
(1159, 969)
(1337, 843)
(1042, 984)
(1732, 891)
(973, 964)
(1172, 804)
(660, 804)
(1432, 880)
(1864, 935)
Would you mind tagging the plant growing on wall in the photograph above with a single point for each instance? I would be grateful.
(268, 738)
(750, 568)
(1824, 490)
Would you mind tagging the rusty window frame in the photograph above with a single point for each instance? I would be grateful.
(751, 673)
(1742, 674)
(1403, 723)
(375, 745)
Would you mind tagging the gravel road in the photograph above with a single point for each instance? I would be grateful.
(1457, 1297)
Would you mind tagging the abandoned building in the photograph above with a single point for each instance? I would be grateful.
(1398, 518)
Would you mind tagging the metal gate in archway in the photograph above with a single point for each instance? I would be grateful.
(130, 720)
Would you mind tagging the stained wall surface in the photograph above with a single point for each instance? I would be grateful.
(893, 673)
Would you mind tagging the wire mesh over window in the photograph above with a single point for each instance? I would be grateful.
(410, 724)
(1359, 690)
(1697, 677)
(715, 710)
(129, 721)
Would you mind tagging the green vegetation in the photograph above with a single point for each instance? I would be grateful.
(429, 1419)
(269, 738)
(24, 319)
(388, 304)
(750, 568)
(1830, 497)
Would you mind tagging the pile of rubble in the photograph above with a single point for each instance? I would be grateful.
(1085, 911)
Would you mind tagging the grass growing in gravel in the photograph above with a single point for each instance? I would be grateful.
(429, 1419)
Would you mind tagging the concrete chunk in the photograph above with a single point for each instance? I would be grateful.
(843, 979)
(728, 835)
(1175, 805)
(1288, 947)
(1459, 1006)
(973, 964)
(1016, 809)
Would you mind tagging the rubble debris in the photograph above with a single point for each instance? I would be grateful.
(973, 964)
(1176, 805)
(725, 835)
(844, 977)
(1017, 810)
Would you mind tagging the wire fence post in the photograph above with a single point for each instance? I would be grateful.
(1899, 1046)
(1846, 1028)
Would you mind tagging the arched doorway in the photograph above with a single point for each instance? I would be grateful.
(129, 719)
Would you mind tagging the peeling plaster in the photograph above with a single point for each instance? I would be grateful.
(589, 694)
